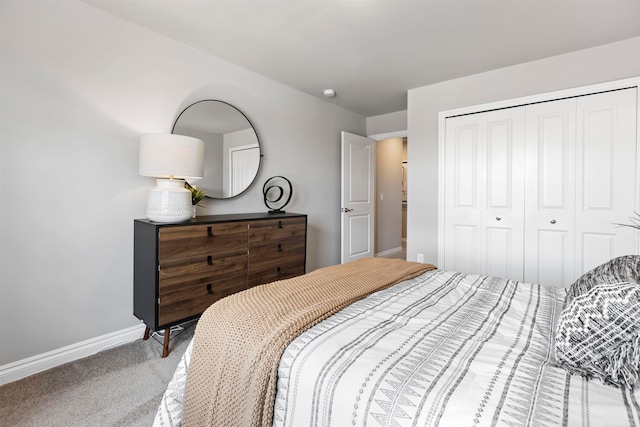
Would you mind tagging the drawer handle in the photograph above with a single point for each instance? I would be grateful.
(209, 232)
(279, 271)
(279, 247)
(210, 260)
(209, 290)
(279, 224)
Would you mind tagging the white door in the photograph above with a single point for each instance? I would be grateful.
(503, 196)
(605, 177)
(463, 189)
(358, 189)
(244, 163)
(550, 196)
(484, 193)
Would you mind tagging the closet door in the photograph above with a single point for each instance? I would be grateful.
(605, 177)
(462, 198)
(550, 192)
(484, 190)
(581, 179)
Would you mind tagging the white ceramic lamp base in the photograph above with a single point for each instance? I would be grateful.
(169, 202)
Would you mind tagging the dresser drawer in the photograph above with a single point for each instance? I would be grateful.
(192, 301)
(182, 273)
(283, 252)
(191, 240)
(264, 232)
(271, 274)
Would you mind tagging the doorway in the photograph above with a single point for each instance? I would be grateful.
(391, 196)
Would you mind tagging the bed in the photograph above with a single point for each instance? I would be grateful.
(420, 347)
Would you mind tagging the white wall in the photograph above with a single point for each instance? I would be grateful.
(78, 86)
(609, 62)
(387, 123)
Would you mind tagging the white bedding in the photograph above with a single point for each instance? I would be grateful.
(442, 349)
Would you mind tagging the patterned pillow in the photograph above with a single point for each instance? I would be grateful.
(599, 334)
(622, 269)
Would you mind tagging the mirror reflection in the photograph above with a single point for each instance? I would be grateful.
(232, 149)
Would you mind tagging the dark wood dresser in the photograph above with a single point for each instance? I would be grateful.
(181, 269)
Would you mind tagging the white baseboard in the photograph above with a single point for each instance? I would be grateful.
(41, 362)
(389, 252)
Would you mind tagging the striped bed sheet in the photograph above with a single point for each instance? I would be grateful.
(442, 349)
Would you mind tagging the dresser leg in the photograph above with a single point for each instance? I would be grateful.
(165, 347)
(146, 334)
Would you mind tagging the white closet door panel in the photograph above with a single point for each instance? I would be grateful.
(484, 185)
(597, 143)
(504, 159)
(500, 248)
(499, 167)
(550, 196)
(462, 195)
(465, 168)
(463, 248)
(553, 260)
(503, 196)
(606, 180)
(462, 198)
(596, 248)
(554, 148)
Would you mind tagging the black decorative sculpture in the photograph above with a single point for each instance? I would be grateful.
(269, 199)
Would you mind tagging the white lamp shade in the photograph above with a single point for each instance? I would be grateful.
(171, 156)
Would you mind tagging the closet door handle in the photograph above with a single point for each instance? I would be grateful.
(553, 221)
(498, 218)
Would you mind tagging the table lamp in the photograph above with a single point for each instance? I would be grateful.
(170, 158)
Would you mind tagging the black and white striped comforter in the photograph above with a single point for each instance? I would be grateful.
(443, 349)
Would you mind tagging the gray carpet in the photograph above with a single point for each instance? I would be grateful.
(121, 386)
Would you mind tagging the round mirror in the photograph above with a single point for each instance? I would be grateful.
(232, 152)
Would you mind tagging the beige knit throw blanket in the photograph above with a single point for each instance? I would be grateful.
(239, 340)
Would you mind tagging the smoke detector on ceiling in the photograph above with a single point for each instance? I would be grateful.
(329, 93)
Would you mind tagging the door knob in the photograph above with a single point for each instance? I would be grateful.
(553, 221)
(346, 210)
(498, 218)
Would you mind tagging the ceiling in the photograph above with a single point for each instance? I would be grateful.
(371, 51)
